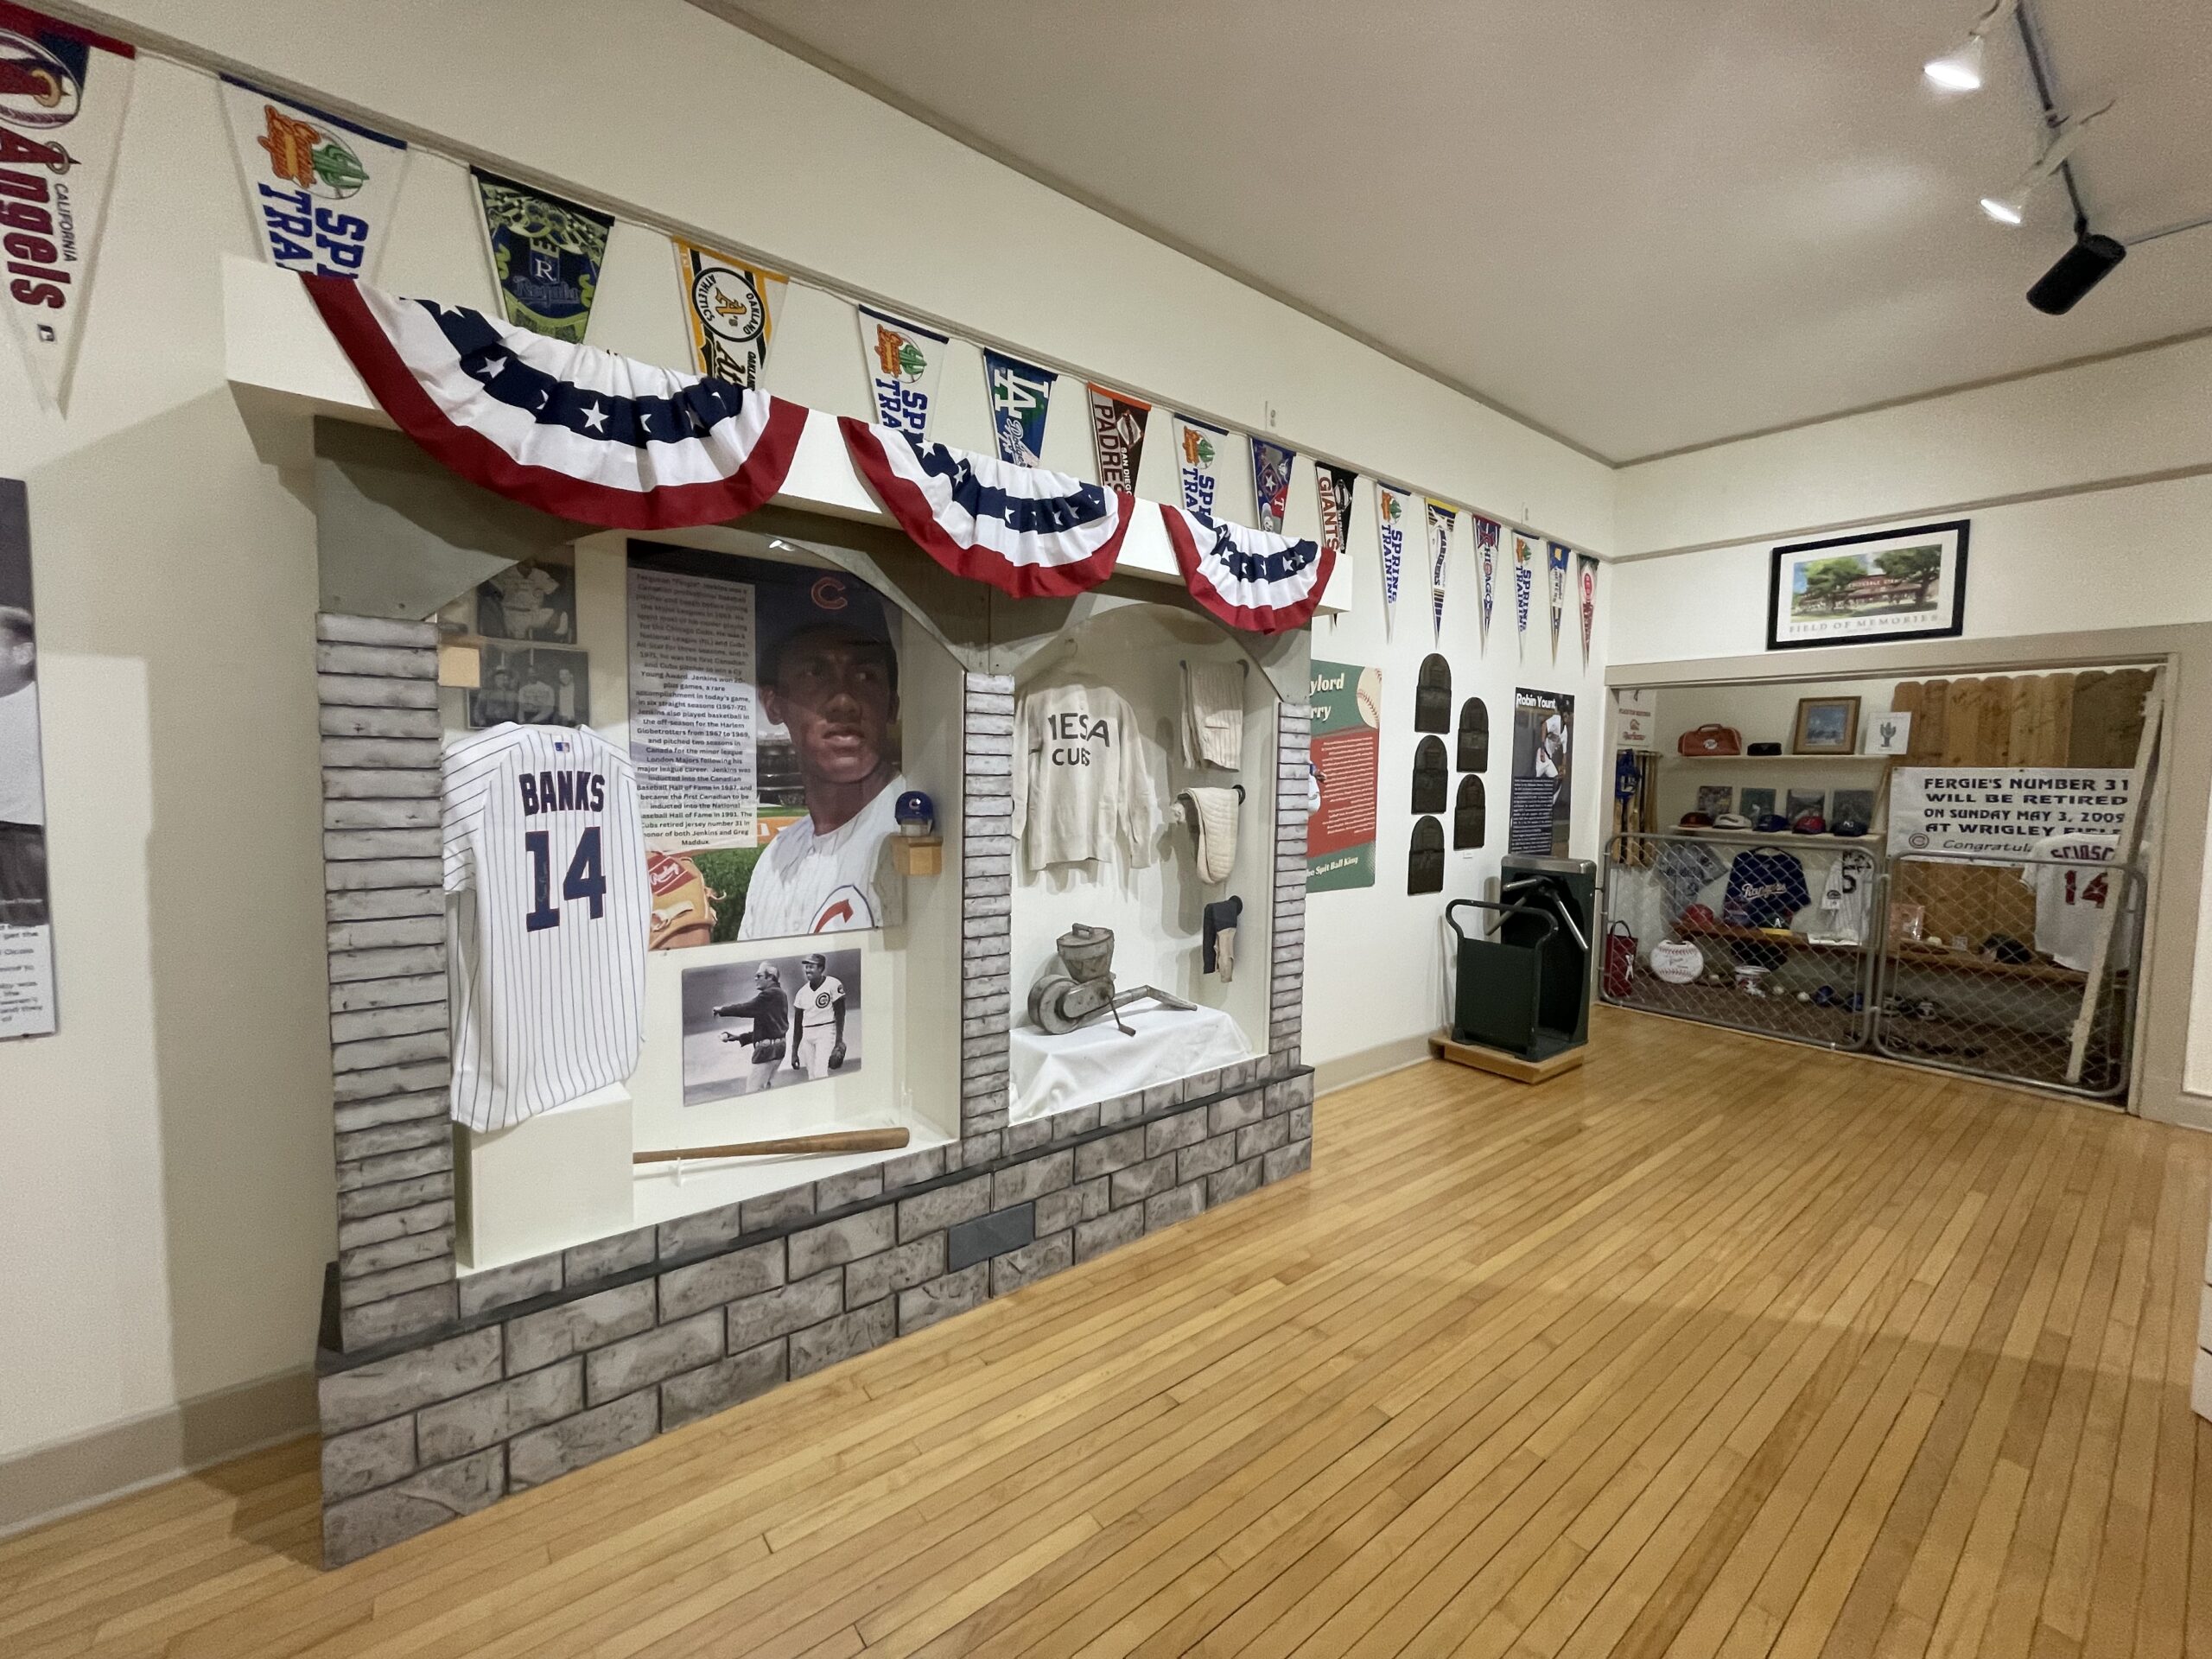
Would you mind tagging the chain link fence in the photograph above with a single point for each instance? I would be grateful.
(1985, 968)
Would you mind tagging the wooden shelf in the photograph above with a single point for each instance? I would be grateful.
(1770, 760)
(1909, 953)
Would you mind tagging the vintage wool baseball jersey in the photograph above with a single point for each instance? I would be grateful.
(544, 848)
(1084, 779)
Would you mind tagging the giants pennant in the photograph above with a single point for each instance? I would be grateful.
(1251, 579)
(570, 430)
(1029, 532)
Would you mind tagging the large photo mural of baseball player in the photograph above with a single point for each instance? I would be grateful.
(26, 930)
(764, 722)
(770, 1023)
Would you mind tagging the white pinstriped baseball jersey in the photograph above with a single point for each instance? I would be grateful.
(542, 844)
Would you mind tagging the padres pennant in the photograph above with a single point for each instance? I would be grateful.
(1029, 533)
(570, 430)
(1251, 579)
(541, 834)
(1117, 422)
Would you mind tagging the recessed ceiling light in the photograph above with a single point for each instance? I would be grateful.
(1960, 69)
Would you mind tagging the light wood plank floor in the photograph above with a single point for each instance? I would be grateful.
(1716, 1347)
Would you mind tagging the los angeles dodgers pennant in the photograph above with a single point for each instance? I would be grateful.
(1585, 571)
(1441, 521)
(1557, 552)
(1486, 567)
(567, 428)
(1524, 585)
(1020, 392)
(319, 190)
(1255, 580)
(546, 252)
(1197, 463)
(903, 360)
(1117, 422)
(63, 92)
(1271, 465)
(729, 308)
(1027, 531)
(1390, 534)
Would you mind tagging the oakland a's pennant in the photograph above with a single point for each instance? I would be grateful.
(1251, 579)
(1524, 585)
(1390, 533)
(1585, 573)
(1441, 521)
(1116, 436)
(567, 428)
(730, 307)
(902, 359)
(1558, 552)
(1020, 392)
(319, 190)
(1197, 463)
(1027, 531)
(1271, 465)
(1486, 566)
(63, 90)
(546, 253)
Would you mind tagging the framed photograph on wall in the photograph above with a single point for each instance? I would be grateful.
(1848, 590)
(1826, 726)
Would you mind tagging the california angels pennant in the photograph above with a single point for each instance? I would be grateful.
(1251, 579)
(1027, 531)
(1390, 534)
(567, 428)
(1440, 520)
(1557, 552)
(1486, 565)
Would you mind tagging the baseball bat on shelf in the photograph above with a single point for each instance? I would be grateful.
(843, 1141)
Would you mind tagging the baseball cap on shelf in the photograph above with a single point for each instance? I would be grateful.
(1696, 821)
(1731, 820)
(1771, 824)
(1809, 824)
(1696, 916)
(1848, 827)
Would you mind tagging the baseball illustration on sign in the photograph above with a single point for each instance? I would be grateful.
(321, 190)
(729, 307)
(771, 1023)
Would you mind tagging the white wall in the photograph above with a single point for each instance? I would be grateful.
(165, 1203)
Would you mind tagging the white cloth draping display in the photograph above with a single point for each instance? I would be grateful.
(1052, 1073)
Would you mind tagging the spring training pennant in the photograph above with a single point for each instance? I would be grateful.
(1585, 573)
(1524, 585)
(729, 307)
(1117, 422)
(1486, 531)
(1390, 535)
(1027, 531)
(1441, 518)
(546, 252)
(1557, 561)
(903, 360)
(1020, 392)
(1197, 463)
(564, 428)
(63, 92)
(1271, 465)
(321, 190)
(1251, 579)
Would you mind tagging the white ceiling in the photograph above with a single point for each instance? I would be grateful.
(1639, 226)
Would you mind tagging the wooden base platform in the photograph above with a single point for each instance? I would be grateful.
(1499, 1064)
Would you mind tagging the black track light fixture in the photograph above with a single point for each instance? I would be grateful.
(2080, 268)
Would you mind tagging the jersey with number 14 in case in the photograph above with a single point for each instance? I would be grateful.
(545, 849)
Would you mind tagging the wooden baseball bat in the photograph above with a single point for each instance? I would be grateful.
(843, 1141)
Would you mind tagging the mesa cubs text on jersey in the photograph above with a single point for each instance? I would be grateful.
(544, 850)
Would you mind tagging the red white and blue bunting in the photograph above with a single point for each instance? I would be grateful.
(1250, 579)
(567, 428)
(1029, 532)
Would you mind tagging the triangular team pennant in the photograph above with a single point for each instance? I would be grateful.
(1557, 561)
(1027, 531)
(1585, 570)
(546, 252)
(1197, 463)
(63, 90)
(1271, 465)
(1524, 585)
(903, 360)
(321, 190)
(730, 309)
(1486, 567)
(1020, 394)
(1390, 533)
(1251, 579)
(1117, 437)
(1440, 520)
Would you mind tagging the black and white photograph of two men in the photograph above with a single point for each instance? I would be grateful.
(770, 1022)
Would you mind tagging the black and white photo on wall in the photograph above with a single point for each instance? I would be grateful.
(532, 685)
(770, 1022)
(25, 919)
(1543, 772)
(1893, 584)
(534, 601)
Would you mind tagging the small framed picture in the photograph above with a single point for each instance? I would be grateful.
(1713, 799)
(1894, 584)
(1756, 804)
(1854, 806)
(1799, 802)
(1826, 726)
(1889, 734)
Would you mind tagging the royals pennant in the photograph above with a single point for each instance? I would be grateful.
(1027, 531)
(567, 428)
(1251, 579)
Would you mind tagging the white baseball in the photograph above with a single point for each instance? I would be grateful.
(1369, 696)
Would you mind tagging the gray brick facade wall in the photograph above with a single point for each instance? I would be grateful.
(441, 1397)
